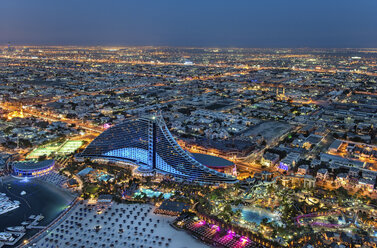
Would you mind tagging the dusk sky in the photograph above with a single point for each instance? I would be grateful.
(204, 23)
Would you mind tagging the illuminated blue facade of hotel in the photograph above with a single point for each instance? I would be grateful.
(148, 143)
(32, 169)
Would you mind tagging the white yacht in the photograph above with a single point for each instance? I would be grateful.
(23, 192)
(16, 229)
(39, 217)
(6, 204)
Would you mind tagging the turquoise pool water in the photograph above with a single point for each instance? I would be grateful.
(104, 177)
(151, 193)
(256, 215)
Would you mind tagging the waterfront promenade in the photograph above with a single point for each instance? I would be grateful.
(44, 231)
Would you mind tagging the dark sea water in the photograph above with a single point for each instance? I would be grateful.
(40, 198)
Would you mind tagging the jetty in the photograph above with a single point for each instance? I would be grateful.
(18, 237)
(35, 222)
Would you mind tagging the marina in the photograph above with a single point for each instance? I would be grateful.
(7, 205)
(34, 224)
(39, 204)
(14, 234)
(9, 238)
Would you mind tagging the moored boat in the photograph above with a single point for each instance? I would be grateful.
(16, 229)
(39, 217)
(7, 205)
(7, 237)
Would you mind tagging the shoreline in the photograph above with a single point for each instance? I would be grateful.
(61, 198)
(64, 193)
(44, 231)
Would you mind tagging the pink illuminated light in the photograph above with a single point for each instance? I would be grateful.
(244, 239)
(106, 125)
(217, 228)
(200, 223)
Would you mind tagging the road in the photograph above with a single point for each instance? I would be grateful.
(50, 117)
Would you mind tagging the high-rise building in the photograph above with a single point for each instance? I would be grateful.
(148, 143)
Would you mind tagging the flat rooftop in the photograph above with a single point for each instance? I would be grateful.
(31, 165)
(211, 161)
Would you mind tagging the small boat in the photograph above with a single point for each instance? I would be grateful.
(7, 237)
(32, 217)
(25, 223)
(6, 205)
(16, 229)
(39, 217)
(23, 192)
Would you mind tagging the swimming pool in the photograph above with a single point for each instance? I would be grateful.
(256, 215)
(104, 177)
(151, 193)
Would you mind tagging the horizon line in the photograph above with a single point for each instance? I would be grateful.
(171, 46)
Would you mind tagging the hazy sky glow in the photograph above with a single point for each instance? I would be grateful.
(210, 23)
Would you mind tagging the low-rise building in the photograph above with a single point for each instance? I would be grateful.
(305, 181)
(270, 159)
(341, 179)
(334, 147)
(303, 169)
(105, 199)
(289, 161)
(366, 184)
(322, 174)
(353, 172)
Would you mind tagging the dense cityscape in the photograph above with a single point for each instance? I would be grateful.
(188, 147)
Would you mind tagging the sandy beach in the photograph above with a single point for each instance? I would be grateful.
(116, 225)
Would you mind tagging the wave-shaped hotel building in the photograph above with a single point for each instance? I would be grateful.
(148, 143)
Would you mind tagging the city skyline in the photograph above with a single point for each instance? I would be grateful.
(191, 24)
(241, 148)
(224, 124)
